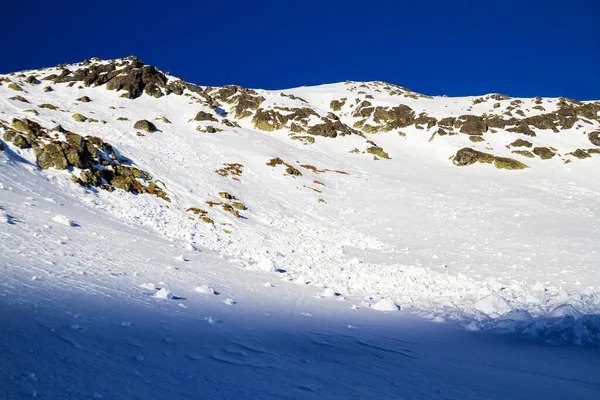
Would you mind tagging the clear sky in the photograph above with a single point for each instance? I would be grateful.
(520, 48)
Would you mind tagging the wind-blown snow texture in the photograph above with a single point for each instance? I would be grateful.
(333, 232)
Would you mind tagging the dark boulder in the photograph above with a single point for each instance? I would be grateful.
(145, 125)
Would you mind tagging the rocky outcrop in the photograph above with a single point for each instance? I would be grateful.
(204, 116)
(131, 75)
(101, 165)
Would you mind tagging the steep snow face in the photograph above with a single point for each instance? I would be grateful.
(476, 209)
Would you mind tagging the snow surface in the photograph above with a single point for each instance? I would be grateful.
(113, 295)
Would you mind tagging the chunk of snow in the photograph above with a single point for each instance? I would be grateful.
(518, 315)
(564, 310)
(61, 219)
(328, 292)
(163, 293)
(181, 258)
(493, 305)
(267, 265)
(229, 302)
(149, 286)
(204, 289)
(385, 305)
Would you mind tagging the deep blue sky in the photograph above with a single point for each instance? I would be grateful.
(521, 48)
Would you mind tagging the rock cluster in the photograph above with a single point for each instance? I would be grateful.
(102, 166)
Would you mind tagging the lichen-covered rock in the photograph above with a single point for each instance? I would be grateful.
(424, 119)
(231, 210)
(272, 119)
(79, 117)
(543, 152)
(471, 124)
(525, 153)
(400, 116)
(231, 124)
(336, 105)
(522, 128)
(122, 183)
(27, 125)
(48, 106)
(304, 139)
(508, 163)
(542, 121)
(468, 156)
(239, 205)
(377, 150)
(447, 122)
(204, 116)
(19, 98)
(476, 139)
(84, 99)
(15, 87)
(594, 137)
(51, 155)
(145, 125)
(153, 90)
(326, 129)
(496, 121)
(21, 142)
(246, 103)
(581, 154)
(521, 143)
(227, 196)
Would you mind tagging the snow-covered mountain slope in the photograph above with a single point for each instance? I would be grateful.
(93, 308)
(478, 209)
